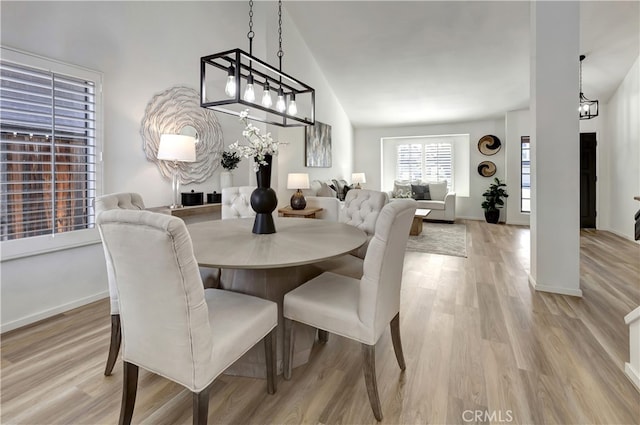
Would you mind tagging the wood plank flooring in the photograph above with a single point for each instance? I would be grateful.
(480, 346)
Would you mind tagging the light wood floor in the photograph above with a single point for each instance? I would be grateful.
(475, 336)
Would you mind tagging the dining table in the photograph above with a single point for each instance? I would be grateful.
(270, 265)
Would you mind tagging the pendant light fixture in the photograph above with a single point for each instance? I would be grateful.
(233, 81)
(588, 108)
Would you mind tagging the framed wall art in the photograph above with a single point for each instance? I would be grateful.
(318, 145)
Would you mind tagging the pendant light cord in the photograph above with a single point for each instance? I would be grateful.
(280, 52)
(581, 59)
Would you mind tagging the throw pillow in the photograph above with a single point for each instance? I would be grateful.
(420, 192)
(326, 191)
(438, 190)
(401, 189)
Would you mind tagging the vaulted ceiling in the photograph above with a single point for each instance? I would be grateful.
(419, 62)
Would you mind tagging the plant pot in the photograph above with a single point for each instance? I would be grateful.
(492, 216)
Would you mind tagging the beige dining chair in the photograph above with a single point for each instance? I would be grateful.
(358, 309)
(361, 210)
(123, 201)
(236, 202)
(171, 325)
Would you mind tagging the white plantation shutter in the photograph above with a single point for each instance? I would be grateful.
(47, 151)
(438, 162)
(409, 162)
(430, 161)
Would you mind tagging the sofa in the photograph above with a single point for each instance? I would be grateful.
(430, 195)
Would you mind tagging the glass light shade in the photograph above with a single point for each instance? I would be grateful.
(177, 147)
(249, 93)
(293, 108)
(281, 106)
(230, 88)
(266, 98)
(298, 181)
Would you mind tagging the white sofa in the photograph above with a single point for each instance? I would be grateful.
(442, 203)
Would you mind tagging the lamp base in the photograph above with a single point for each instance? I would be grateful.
(357, 186)
(297, 201)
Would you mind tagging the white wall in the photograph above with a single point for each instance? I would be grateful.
(622, 141)
(142, 48)
(299, 63)
(368, 157)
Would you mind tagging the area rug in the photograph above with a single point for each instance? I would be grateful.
(440, 238)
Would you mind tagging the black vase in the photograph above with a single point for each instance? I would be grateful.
(264, 200)
(492, 216)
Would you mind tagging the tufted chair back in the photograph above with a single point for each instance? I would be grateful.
(236, 202)
(330, 207)
(116, 201)
(361, 209)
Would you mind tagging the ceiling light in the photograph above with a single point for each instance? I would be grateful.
(588, 108)
(243, 71)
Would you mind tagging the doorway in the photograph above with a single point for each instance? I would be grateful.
(588, 178)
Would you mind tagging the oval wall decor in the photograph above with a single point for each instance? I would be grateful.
(486, 168)
(177, 111)
(489, 144)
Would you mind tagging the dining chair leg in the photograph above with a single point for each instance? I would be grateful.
(270, 358)
(369, 369)
(129, 389)
(288, 348)
(323, 336)
(201, 406)
(397, 342)
(114, 346)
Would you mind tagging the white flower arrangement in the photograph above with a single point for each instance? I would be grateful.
(260, 145)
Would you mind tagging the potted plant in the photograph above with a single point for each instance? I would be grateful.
(229, 162)
(493, 200)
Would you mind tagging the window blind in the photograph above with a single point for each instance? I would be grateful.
(427, 161)
(47, 152)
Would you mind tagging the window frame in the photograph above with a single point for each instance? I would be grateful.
(523, 140)
(36, 245)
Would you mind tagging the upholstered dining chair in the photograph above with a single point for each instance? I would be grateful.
(123, 201)
(358, 309)
(171, 325)
(236, 202)
(361, 209)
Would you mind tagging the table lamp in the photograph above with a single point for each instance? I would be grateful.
(298, 181)
(357, 178)
(177, 148)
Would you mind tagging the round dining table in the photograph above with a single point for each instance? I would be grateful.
(269, 266)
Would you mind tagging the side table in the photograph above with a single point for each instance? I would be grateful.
(305, 213)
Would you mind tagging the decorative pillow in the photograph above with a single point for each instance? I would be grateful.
(401, 189)
(326, 191)
(438, 190)
(420, 192)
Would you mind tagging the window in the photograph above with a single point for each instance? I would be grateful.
(427, 158)
(428, 161)
(525, 173)
(48, 146)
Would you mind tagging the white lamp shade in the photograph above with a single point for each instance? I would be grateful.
(357, 178)
(177, 147)
(298, 181)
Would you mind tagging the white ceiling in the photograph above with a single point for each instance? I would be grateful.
(420, 62)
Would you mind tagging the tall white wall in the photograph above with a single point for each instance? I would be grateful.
(142, 48)
(518, 124)
(368, 157)
(622, 154)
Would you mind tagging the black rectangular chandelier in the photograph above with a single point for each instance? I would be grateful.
(234, 81)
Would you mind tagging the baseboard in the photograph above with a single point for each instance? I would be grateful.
(554, 289)
(5, 327)
(623, 236)
(633, 375)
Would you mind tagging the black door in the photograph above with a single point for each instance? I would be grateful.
(588, 180)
